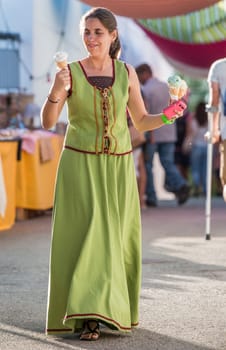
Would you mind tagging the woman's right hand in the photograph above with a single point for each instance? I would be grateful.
(54, 103)
(62, 81)
(214, 138)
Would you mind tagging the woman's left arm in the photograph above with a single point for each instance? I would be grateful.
(142, 120)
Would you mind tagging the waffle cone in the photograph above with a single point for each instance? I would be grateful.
(61, 64)
(174, 92)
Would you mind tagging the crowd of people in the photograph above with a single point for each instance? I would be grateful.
(162, 141)
(181, 147)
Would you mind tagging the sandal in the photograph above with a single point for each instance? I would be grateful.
(91, 330)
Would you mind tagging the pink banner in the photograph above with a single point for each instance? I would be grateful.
(199, 55)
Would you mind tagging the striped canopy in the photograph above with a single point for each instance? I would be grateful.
(193, 41)
(206, 25)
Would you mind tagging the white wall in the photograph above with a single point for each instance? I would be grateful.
(138, 48)
(47, 39)
(17, 17)
(40, 24)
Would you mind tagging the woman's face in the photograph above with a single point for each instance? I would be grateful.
(97, 38)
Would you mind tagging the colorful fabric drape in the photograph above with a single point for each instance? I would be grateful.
(151, 8)
(206, 25)
(193, 41)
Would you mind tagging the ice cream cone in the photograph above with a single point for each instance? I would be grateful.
(183, 89)
(61, 62)
(174, 82)
(174, 92)
(61, 59)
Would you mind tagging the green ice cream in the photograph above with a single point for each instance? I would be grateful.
(174, 80)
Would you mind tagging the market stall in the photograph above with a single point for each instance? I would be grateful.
(8, 166)
(28, 165)
(36, 170)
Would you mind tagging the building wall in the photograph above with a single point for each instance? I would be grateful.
(137, 48)
(45, 26)
(17, 17)
(56, 27)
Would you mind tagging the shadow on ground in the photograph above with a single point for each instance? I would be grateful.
(139, 339)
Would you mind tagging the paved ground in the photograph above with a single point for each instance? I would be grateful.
(183, 298)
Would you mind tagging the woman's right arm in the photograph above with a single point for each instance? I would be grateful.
(54, 103)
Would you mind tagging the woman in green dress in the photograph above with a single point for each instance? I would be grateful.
(95, 262)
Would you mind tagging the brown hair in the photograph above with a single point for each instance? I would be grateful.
(107, 18)
(143, 68)
(201, 114)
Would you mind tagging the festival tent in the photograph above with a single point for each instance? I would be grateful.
(151, 8)
(193, 41)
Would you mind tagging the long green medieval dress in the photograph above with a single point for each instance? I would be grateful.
(95, 260)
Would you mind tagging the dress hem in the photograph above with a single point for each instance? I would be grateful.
(106, 320)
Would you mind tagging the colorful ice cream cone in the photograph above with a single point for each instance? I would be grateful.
(183, 89)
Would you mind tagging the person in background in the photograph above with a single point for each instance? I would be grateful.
(31, 116)
(217, 190)
(95, 260)
(156, 96)
(182, 155)
(217, 105)
(141, 174)
(198, 130)
(138, 156)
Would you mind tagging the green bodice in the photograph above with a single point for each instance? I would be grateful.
(97, 117)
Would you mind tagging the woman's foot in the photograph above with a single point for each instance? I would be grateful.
(91, 330)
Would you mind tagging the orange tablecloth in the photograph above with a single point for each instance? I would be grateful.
(8, 153)
(35, 178)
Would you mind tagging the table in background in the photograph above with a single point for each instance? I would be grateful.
(8, 153)
(35, 178)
